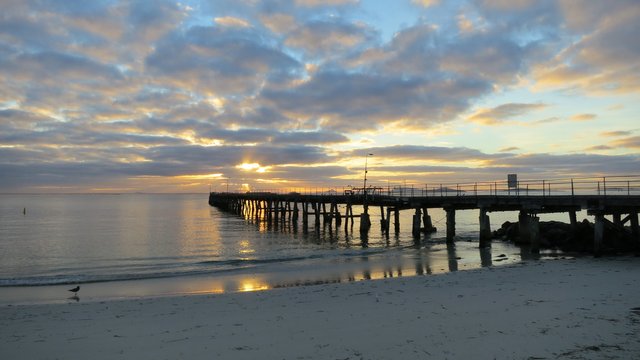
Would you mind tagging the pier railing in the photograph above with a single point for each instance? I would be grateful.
(621, 185)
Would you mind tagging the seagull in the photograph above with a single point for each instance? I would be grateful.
(75, 290)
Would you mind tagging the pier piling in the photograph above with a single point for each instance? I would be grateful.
(451, 224)
(598, 234)
(485, 228)
(417, 218)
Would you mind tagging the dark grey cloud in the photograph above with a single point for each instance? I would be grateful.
(352, 102)
(520, 18)
(307, 174)
(230, 60)
(309, 137)
(44, 64)
(571, 164)
(39, 166)
(265, 155)
(321, 38)
(426, 153)
(487, 55)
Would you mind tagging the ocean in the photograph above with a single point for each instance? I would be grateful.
(137, 242)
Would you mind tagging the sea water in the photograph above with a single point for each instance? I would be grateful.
(48, 240)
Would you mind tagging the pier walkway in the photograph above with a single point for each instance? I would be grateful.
(616, 196)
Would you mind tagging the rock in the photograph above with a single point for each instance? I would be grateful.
(559, 235)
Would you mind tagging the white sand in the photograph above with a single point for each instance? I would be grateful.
(567, 309)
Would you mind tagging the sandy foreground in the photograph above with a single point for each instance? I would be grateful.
(566, 309)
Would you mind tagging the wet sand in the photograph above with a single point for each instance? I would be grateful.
(567, 309)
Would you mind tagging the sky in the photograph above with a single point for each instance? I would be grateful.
(162, 96)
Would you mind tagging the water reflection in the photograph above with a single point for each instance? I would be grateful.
(439, 258)
(252, 284)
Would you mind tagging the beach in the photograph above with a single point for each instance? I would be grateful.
(566, 308)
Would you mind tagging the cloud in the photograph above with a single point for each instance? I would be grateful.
(279, 22)
(213, 59)
(489, 55)
(616, 133)
(509, 149)
(72, 68)
(326, 38)
(599, 148)
(566, 165)
(598, 61)
(231, 21)
(425, 153)
(355, 102)
(499, 114)
(583, 117)
(425, 3)
(317, 3)
(309, 137)
(632, 142)
(265, 155)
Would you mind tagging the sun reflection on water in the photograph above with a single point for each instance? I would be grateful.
(252, 284)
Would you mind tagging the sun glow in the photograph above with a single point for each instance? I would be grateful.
(200, 177)
(253, 285)
(253, 167)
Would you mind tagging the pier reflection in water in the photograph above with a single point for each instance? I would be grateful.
(348, 255)
(436, 259)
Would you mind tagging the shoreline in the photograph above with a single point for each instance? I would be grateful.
(437, 259)
(577, 308)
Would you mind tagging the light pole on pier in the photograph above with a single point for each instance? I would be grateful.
(364, 187)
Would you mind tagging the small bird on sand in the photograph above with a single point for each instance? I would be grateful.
(75, 290)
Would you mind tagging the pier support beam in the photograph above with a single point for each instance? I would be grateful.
(426, 220)
(534, 230)
(348, 215)
(336, 214)
(326, 217)
(295, 212)
(598, 234)
(269, 211)
(316, 211)
(417, 219)
(396, 220)
(635, 229)
(485, 229)
(574, 222)
(451, 224)
(388, 224)
(305, 217)
(365, 223)
(276, 212)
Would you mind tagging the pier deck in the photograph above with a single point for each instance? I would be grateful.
(623, 204)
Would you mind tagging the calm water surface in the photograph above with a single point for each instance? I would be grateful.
(69, 239)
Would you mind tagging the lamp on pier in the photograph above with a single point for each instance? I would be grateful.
(364, 187)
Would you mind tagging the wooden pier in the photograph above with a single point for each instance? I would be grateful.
(530, 199)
